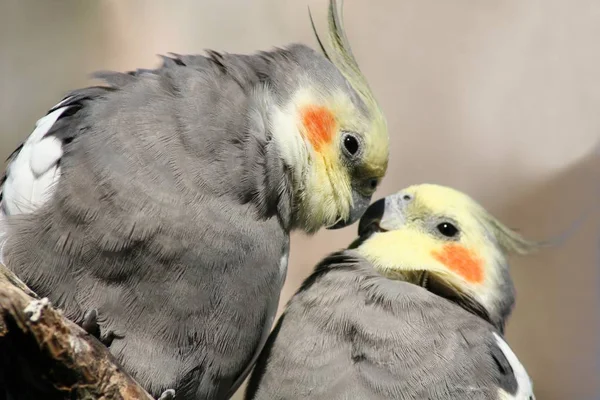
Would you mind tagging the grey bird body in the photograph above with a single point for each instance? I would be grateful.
(168, 216)
(351, 333)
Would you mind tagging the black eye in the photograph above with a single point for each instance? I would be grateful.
(373, 183)
(351, 144)
(447, 229)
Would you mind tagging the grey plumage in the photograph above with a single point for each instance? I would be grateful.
(158, 181)
(350, 333)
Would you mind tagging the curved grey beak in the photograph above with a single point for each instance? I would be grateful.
(360, 204)
(385, 214)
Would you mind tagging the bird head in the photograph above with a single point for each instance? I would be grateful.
(441, 239)
(330, 130)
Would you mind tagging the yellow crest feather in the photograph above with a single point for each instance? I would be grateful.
(341, 56)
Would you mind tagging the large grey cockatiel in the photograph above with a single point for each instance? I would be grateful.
(415, 309)
(158, 208)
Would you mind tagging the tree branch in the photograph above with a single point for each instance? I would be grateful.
(43, 355)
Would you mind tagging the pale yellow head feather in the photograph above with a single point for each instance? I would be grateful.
(473, 262)
(324, 182)
(340, 54)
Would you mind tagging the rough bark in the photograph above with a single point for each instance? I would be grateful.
(45, 356)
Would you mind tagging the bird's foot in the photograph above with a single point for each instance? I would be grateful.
(168, 394)
(90, 323)
(91, 326)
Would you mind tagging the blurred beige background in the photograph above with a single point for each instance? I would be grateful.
(498, 98)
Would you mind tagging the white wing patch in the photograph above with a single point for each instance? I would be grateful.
(33, 172)
(525, 386)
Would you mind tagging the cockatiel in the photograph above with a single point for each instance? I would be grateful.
(158, 209)
(415, 309)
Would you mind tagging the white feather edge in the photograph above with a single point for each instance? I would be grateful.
(525, 386)
(32, 174)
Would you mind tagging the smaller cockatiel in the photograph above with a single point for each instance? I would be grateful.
(415, 309)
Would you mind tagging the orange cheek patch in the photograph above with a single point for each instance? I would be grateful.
(319, 124)
(462, 261)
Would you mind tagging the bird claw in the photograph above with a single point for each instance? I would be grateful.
(168, 394)
(91, 326)
(109, 337)
(90, 323)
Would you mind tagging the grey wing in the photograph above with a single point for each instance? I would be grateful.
(33, 169)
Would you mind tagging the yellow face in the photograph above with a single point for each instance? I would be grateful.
(345, 157)
(333, 136)
(439, 231)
